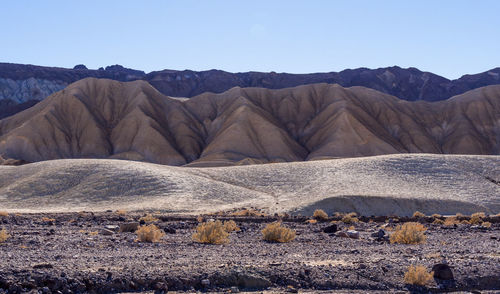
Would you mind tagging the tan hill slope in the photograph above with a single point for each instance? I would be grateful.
(99, 118)
(380, 185)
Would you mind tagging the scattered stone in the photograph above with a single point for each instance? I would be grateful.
(169, 230)
(235, 289)
(129, 227)
(106, 232)
(353, 234)
(205, 283)
(331, 229)
(43, 265)
(442, 271)
(113, 228)
(379, 234)
(342, 234)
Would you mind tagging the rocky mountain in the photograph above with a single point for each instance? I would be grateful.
(101, 118)
(23, 83)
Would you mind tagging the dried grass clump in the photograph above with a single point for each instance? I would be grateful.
(418, 214)
(435, 215)
(438, 221)
(3, 235)
(211, 233)
(477, 218)
(230, 226)
(409, 233)
(311, 221)
(149, 233)
(148, 218)
(486, 225)
(320, 214)
(450, 221)
(274, 232)
(248, 212)
(417, 275)
(121, 212)
(4, 213)
(47, 219)
(350, 218)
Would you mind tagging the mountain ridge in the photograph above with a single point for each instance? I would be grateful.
(100, 118)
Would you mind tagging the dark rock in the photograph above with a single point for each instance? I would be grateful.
(129, 227)
(379, 234)
(333, 228)
(169, 230)
(442, 271)
(353, 234)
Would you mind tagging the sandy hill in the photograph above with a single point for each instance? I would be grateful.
(380, 185)
(100, 118)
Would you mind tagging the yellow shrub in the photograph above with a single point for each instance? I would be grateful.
(417, 275)
(409, 233)
(486, 225)
(121, 212)
(148, 218)
(274, 232)
(149, 233)
(435, 215)
(3, 235)
(230, 226)
(311, 221)
(451, 220)
(438, 221)
(350, 218)
(418, 214)
(199, 218)
(477, 218)
(320, 214)
(46, 219)
(248, 212)
(4, 213)
(211, 233)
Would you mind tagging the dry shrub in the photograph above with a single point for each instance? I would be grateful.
(211, 233)
(274, 232)
(4, 213)
(409, 233)
(94, 233)
(450, 221)
(465, 222)
(46, 219)
(199, 218)
(148, 218)
(458, 215)
(435, 215)
(477, 218)
(350, 218)
(486, 225)
(149, 233)
(3, 235)
(417, 275)
(438, 221)
(311, 221)
(418, 214)
(248, 212)
(121, 212)
(320, 214)
(230, 226)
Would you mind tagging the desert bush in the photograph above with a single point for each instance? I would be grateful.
(149, 233)
(435, 215)
(477, 218)
(211, 233)
(3, 235)
(451, 220)
(417, 275)
(274, 232)
(409, 233)
(418, 214)
(4, 213)
(47, 219)
(311, 221)
(320, 214)
(230, 226)
(199, 218)
(486, 224)
(148, 218)
(458, 215)
(248, 212)
(121, 212)
(438, 221)
(350, 218)
(465, 222)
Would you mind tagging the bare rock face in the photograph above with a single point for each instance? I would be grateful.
(100, 118)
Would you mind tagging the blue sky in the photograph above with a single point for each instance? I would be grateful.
(450, 38)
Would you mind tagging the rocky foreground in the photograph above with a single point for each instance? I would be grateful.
(85, 252)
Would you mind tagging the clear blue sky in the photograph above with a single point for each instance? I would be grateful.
(450, 38)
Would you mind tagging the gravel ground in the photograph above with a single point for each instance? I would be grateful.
(65, 256)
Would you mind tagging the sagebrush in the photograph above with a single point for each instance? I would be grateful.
(148, 218)
(149, 233)
(417, 275)
(320, 214)
(409, 233)
(231, 226)
(275, 232)
(418, 214)
(3, 235)
(211, 233)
